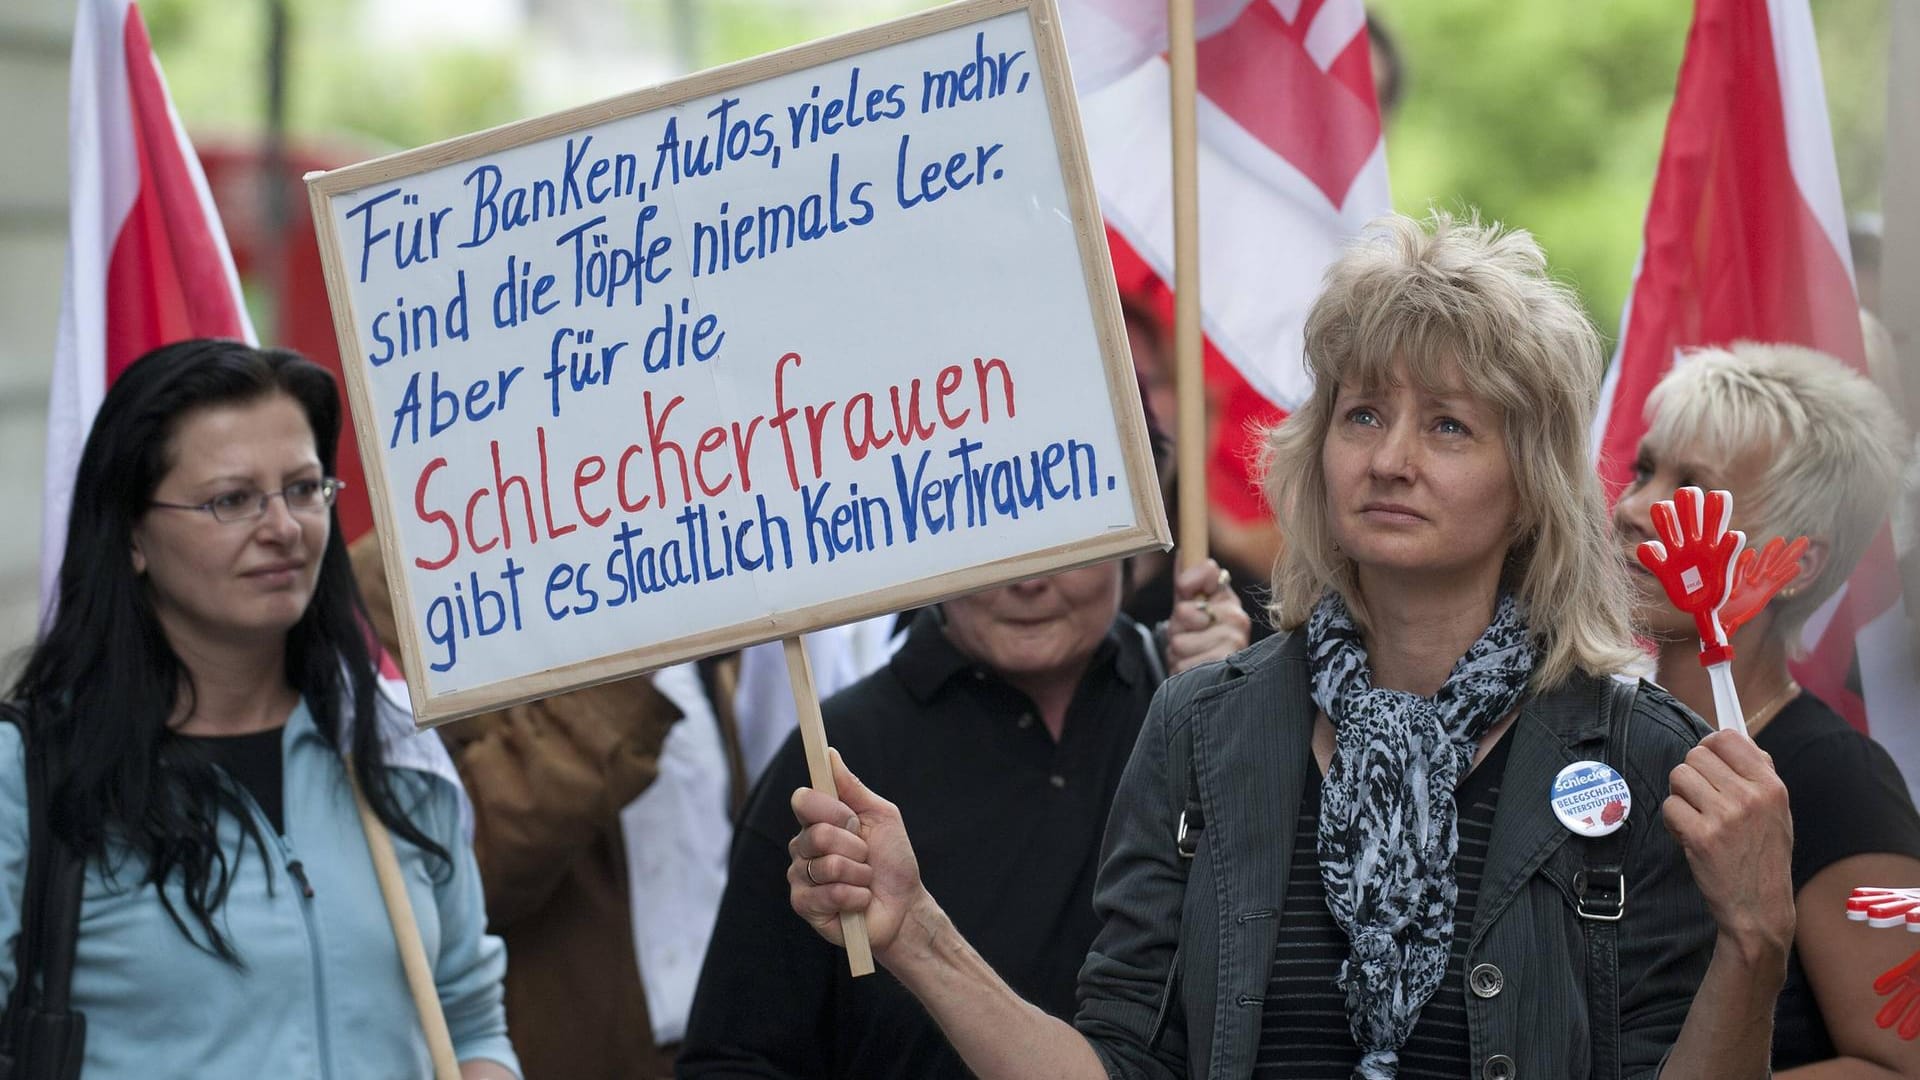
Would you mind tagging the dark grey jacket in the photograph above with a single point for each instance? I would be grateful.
(1175, 981)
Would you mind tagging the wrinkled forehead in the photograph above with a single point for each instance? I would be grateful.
(1430, 358)
(1440, 380)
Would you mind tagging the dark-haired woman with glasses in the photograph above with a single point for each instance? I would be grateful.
(311, 496)
(202, 702)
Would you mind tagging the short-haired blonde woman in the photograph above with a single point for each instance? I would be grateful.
(1807, 448)
(1335, 854)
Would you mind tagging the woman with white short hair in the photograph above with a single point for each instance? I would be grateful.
(1807, 448)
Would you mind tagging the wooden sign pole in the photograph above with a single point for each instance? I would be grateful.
(1191, 445)
(813, 737)
(406, 937)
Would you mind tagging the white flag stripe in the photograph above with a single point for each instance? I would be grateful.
(1891, 686)
(1803, 101)
(103, 178)
(1267, 233)
(1610, 384)
(1332, 30)
(1816, 625)
(103, 169)
(1106, 41)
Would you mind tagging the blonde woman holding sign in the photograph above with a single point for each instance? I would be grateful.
(1419, 833)
(201, 710)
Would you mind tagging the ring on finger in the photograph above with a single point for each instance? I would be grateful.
(1225, 580)
(1206, 608)
(808, 867)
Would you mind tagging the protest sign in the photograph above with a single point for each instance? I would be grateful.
(813, 337)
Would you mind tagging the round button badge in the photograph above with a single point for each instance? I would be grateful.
(1590, 798)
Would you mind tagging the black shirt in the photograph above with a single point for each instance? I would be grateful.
(1006, 824)
(254, 762)
(1304, 1032)
(1847, 798)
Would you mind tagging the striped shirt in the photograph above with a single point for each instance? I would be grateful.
(1304, 1033)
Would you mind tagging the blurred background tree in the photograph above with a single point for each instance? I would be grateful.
(1547, 116)
(349, 78)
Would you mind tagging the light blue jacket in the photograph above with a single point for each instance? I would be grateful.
(322, 995)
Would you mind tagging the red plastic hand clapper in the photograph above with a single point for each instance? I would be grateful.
(1694, 559)
(1893, 907)
(1758, 576)
(1885, 907)
(1903, 1008)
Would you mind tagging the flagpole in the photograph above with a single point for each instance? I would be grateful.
(1900, 245)
(1900, 195)
(1191, 446)
(273, 170)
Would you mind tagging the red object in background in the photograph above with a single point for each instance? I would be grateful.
(1746, 239)
(1233, 479)
(1903, 1008)
(1291, 164)
(1758, 576)
(1884, 908)
(1734, 248)
(286, 265)
(1694, 560)
(166, 276)
(147, 263)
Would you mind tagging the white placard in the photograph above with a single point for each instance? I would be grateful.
(821, 335)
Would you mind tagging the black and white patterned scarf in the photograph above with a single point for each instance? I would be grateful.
(1388, 820)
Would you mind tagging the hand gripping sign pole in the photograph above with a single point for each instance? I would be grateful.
(1710, 573)
(813, 739)
(608, 519)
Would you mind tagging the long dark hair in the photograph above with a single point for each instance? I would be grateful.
(102, 681)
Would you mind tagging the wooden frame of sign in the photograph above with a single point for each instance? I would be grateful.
(1141, 526)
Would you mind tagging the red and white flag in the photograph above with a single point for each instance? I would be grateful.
(147, 261)
(1746, 239)
(1291, 161)
(147, 265)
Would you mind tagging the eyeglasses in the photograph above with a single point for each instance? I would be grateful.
(302, 497)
